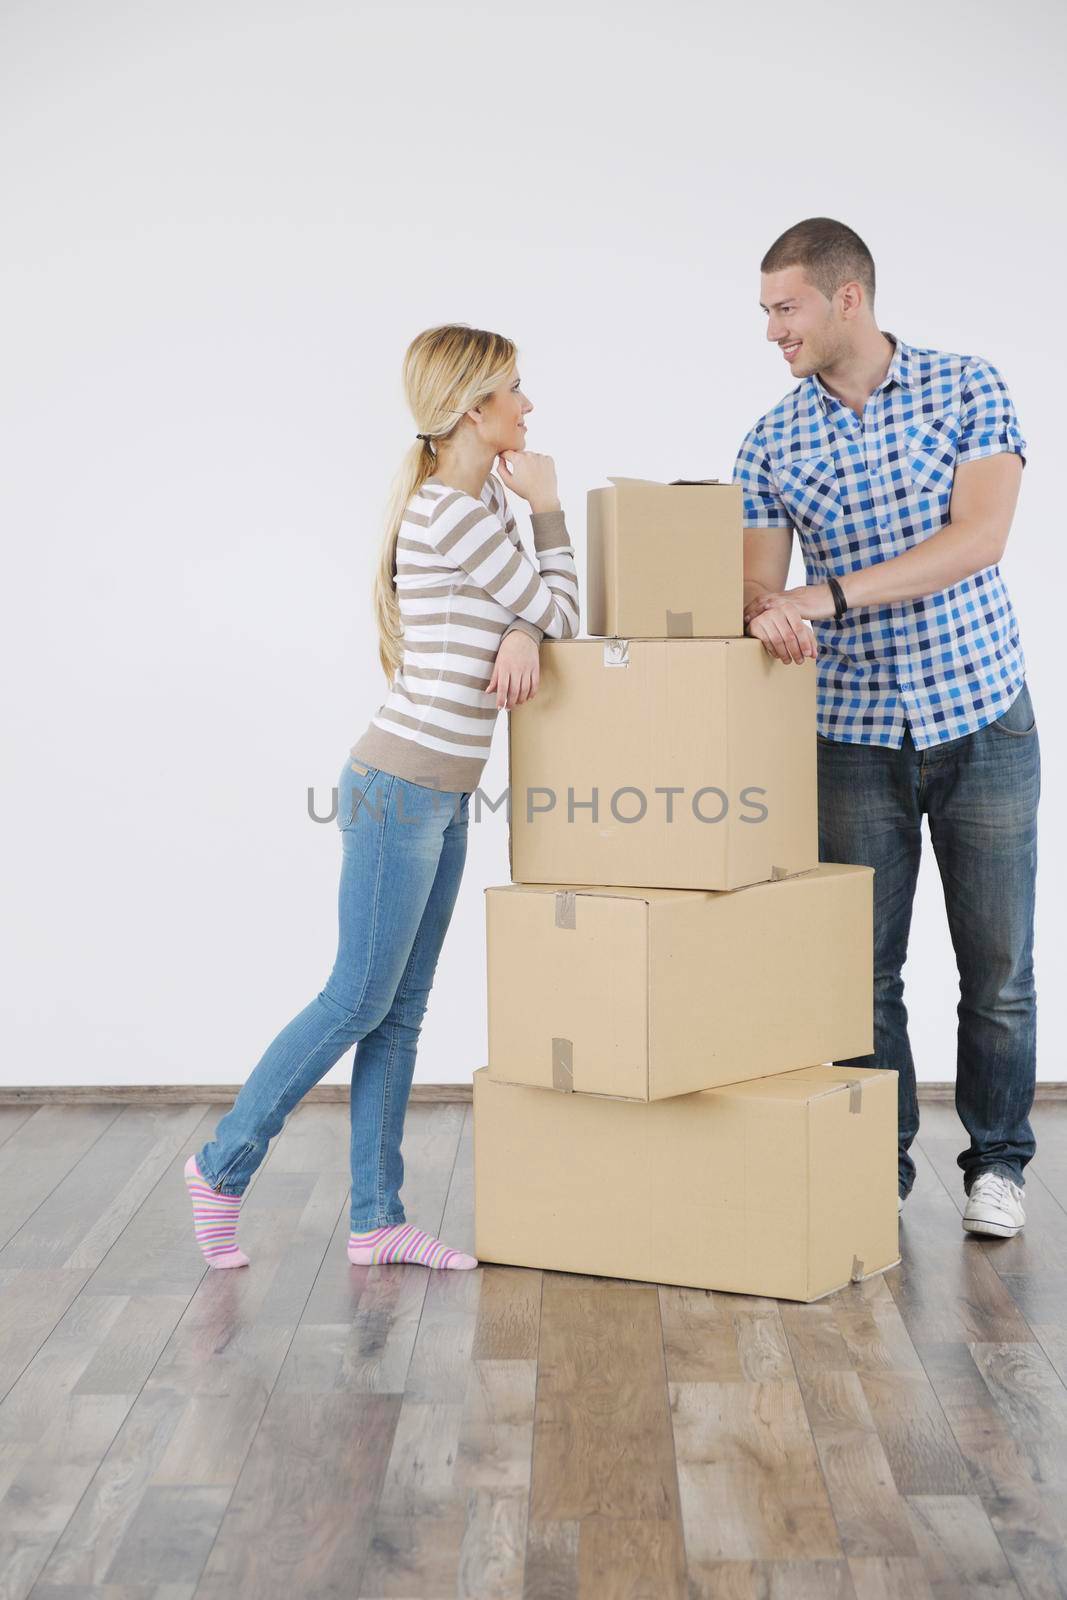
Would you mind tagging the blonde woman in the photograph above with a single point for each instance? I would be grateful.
(461, 611)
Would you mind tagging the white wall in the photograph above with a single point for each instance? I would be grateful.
(222, 225)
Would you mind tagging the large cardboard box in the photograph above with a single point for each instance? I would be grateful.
(724, 726)
(646, 993)
(783, 1186)
(664, 560)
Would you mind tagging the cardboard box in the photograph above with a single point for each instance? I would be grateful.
(783, 1186)
(646, 993)
(664, 560)
(721, 722)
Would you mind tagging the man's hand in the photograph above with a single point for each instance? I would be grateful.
(778, 620)
(516, 671)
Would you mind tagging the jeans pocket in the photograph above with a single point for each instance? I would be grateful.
(354, 782)
(1018, 722)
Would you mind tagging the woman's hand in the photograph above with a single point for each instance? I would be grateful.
(517, 669)
(532, 477)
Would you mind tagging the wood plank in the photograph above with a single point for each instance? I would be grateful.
(76, 1224)
(1033, 1401)
(889, 1578)
(496, 1434)
(960, 1553)
(48, 1147)
(713, 1337)
(872, 1518)
(1026, 1515)
(619, 1558)
(551, 1561)
(750, 1481)
(602, 1435)
(775, 1580)
(509, 1314)
(451, 1518)
(12, 1118)
(914, 1440)
(300, 1518)
(166, 1475)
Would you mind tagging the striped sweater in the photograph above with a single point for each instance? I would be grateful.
(463, 580)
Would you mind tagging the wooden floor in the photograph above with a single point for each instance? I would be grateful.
(306, 1428)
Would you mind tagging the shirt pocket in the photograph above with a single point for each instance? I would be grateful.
(808, 488)
(930, 451)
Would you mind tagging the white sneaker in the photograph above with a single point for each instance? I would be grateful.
(994, 1206)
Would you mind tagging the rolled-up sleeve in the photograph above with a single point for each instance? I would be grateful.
(762, 504)
(988, 423)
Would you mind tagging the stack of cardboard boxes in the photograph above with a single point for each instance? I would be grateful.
(670, 958)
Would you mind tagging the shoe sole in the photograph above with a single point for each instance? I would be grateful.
(998, 1230)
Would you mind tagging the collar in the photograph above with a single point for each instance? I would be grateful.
(899, 372)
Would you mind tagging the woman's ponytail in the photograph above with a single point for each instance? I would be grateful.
(447, 371)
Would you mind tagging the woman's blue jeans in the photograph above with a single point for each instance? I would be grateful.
(979, 794)
(403, 851)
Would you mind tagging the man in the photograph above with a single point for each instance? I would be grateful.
(900, 470)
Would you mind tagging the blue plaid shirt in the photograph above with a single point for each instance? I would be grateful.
(860, 490)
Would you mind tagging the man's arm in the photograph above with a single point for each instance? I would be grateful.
(768, 543)
(780, 628)
(766, 560)
(984, 495)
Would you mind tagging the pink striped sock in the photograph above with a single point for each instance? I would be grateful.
(404, 1242)
(215, 1220)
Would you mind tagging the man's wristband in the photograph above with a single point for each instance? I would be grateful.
(840, 603)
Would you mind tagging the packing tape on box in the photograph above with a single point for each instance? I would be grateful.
(777, 873)
(563, 1065)
(565, 912)
(617, 653)
(855, 1095)
(857, 1270)
(679, 624)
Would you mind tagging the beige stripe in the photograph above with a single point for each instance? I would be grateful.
(447, 500)
(462, 619)
(473, 519)
(459, 708)
(456, 647)
(422, 545)
(461, 591)
(474, 740)
(465, 679)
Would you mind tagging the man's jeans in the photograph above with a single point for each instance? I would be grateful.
(979, 794)
(403, 852)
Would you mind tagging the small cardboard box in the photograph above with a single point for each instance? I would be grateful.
(663, 763)
(647, 993)
(664, 560)
(783, 1186)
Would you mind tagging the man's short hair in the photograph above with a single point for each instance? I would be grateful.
(829, 254)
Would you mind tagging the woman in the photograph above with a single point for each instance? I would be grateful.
(460, 612)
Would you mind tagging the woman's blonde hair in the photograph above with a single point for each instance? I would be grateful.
(447, 371)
